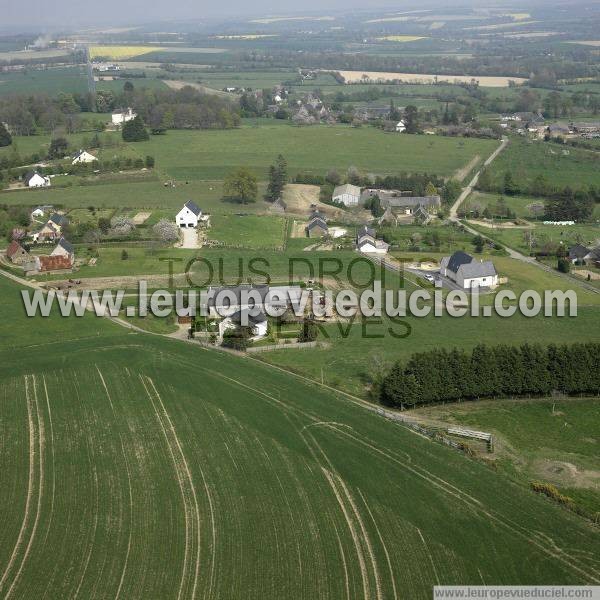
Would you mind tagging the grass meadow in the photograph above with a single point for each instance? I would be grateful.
(210, 155)
(260, 484)
(539, 439)
(52, 80)
(526, 159)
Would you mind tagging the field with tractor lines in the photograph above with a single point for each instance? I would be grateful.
(141, 467)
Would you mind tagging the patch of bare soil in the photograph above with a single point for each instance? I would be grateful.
(567, 474)
(493, 225)
(141, 218)
(300, 197)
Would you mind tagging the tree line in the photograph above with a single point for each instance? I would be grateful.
(560, 204)
(492, 372)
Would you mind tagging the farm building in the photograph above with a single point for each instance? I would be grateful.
(397, 203)
(33, 179)
(245, 318)
(122, 116)
(52, 263)
(65, 249)
(17, 254)
(466, 272)
(317, 225)
(83, 157)
(347, 194)
(578, 253)
(189, 215)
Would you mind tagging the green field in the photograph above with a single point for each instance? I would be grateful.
(539, 440)
(52, 81)
(249, 231)
(518, 237)
(526, 159)
(259, 484)
(197, 155)
(518, 204)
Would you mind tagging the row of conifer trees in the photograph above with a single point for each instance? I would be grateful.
(492, 372)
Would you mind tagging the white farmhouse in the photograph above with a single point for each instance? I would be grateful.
(400, 127)
(34, 180)
(466, 272)
(118, 118)
(346, 194)
(245, 318)
(83, 157)
(189, 215)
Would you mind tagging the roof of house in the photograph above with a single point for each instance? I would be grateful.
(365, 230)
(248, 316)
(191, 205)
(380, 244)
(67, 246)
(347, 188)
(317, 222)
(29, 175)
(78, 154)
(421, 213)
(43, 207)
(578, 251)
(54, 263)
(59, 220)
(221, 295)
(410, 201)
(13, 248)
(467, 266)
(594, 254)
(458, 259)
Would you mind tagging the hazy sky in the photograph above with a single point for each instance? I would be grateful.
(53, 14)
(68, 13)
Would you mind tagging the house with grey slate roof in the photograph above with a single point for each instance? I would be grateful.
(467, 272)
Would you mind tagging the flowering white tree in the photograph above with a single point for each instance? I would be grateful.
(121, 226)
(166, 231)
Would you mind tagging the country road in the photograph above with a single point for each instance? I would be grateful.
(511, 252)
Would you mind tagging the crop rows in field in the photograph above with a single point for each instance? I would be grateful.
(163, 472)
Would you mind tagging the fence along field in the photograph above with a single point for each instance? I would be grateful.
(138, 467)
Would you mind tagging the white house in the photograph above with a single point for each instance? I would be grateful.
(367, 243)
(368, 246)
(189, 215)
(64, 248)
(40, 211)
(467, 272)
(34, 180)
(346, 194)
(83, 157)
(118, 118)
(245, 318)
(400, 127)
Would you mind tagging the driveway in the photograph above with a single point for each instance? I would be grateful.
(189, 237)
